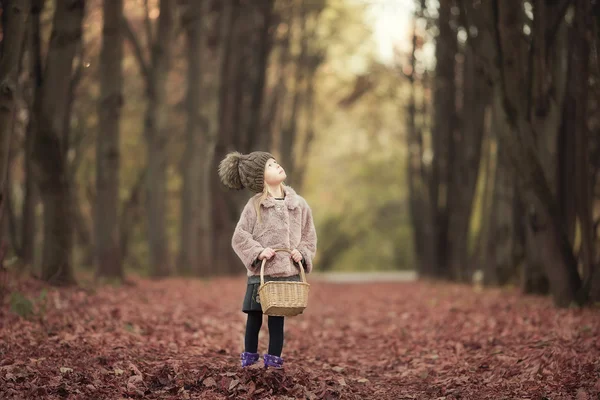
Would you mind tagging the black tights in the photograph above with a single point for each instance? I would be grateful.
(253, 325)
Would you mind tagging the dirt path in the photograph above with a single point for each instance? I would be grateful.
(364, 277)
(180, 339)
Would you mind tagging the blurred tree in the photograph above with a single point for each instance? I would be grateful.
(447, 186)
(577, 94)
(107, 241)
(193, 18)
(531, 84)
(203, 22)
(155, 72)
(247, 43)
(51, 145)
(417, 172)
(15, 15)
(295, 145)
(34, 83)
(467, 145)
(505, 237)
(442, 139)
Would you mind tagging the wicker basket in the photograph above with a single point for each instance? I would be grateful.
(282, 298)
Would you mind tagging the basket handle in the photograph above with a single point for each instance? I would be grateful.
(264, 261)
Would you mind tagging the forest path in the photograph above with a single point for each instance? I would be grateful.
(179, 339)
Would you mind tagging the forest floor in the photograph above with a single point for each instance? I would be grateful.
(181, 339)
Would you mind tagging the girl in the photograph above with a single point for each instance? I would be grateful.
(276, 217)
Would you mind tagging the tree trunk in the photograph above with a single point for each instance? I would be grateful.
(535, 279)
(156, 126)
(262, 52)
(14, 14)
(131, 213)
(50, 148)
(212, 86)
(230, 96)
(488, 169)
(500, 266)
(28, 210)
(418, 204)
(560, 262)
(289, 133)
(240, 78)
(466, 165)
(108, 254)
(442, 137)
(309, 106)
(579, 87)
(193, 19)
(273, 110)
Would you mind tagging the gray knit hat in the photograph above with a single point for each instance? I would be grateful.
(238, 171)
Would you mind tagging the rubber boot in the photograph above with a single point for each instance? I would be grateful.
(249, 358)
(273, 361)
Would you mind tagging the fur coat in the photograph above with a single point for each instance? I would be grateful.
(284, 224)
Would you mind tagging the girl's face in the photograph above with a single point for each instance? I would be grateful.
(274, 173)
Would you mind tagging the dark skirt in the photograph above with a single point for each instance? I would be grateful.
(251, 299)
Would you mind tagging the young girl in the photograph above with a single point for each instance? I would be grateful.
(276, 217)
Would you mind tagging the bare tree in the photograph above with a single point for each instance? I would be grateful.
(50, 148)
(108, 254)
(14, 25)
(204, 79)
(442, 138)
(155, 73)
(467, 148)
(531, 85)
(35, 78)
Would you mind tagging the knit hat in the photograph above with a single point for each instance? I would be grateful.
(238, 171)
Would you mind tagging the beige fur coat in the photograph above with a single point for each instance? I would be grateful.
(284, 224)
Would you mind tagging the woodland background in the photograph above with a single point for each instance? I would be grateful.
(458, 139)
(472, 152)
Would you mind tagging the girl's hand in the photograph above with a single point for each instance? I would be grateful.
(267, 253)
(296, 256)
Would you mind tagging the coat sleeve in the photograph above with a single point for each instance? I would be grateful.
(308, 241)
(244, 245)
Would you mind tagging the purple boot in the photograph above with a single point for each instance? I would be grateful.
(273, 361)
(249, 358)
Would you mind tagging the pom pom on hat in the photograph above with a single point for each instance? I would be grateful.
(229, 171)
(238, 171)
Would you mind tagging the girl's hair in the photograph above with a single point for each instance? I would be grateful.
(263, 197)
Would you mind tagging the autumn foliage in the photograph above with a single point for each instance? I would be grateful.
(180, 339)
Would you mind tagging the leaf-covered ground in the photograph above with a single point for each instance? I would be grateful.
(180, 339)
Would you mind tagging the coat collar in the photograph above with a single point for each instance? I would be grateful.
(291, 201)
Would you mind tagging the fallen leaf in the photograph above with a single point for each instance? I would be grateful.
(474, 355)
(134, 379)
(233, 384)
(209, 382)
(582, 394)
(135, 369)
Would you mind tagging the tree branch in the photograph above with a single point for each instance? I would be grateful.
(137, 48)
